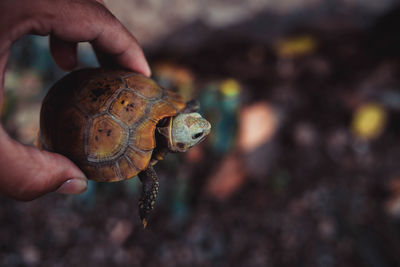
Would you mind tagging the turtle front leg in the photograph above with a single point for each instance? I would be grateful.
(150, 185)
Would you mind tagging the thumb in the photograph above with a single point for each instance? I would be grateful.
(27, 173)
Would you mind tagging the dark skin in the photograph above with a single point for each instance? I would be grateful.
(26, 172)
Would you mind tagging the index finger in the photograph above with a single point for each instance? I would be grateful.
(80, 21)
(121, 48)
(109, 36)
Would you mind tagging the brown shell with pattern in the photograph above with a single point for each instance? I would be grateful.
(105, 121)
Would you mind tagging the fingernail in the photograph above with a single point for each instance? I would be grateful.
(73, 186)
(148, 71)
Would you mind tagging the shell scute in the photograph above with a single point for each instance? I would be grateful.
(174, 99)
(144, 86)
(109, 173)
(106, 139)
(128, 170)
(139, 159)
(70, 126)
(128, 107)
(142, 136)
(97, 93)
(90, 171)
(161, 110)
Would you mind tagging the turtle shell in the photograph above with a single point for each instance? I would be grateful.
(105, 121)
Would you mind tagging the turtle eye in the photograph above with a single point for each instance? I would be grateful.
(198, 135)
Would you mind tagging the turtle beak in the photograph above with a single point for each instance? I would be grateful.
(207, 129)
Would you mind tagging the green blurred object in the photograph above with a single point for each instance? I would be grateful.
(180, 208)
(220, 103)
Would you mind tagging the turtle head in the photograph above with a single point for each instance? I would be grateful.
(185, 130)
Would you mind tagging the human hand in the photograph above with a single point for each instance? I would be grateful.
(26, 172)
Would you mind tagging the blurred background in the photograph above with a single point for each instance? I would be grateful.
(301, 168)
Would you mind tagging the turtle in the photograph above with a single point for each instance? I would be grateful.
(116, 125)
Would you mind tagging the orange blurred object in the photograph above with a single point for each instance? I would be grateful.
(120, 231)
(228, 178)
(257, 125)
(195, 154)
(392, 206)
(26, 122)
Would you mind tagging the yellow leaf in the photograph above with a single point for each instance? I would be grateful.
(230, 88)
(296, 46)
(369, 121)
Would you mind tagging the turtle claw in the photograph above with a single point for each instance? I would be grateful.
(146, 205)
(143, 213)
(144, 222)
